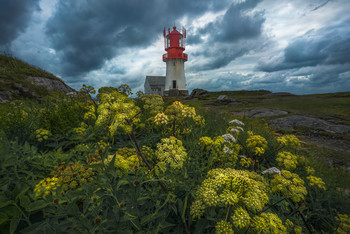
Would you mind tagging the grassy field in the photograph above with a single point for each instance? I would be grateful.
(332, 107)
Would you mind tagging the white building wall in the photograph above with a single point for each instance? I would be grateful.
(175, 71)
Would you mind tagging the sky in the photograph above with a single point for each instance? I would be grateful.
(296, 46)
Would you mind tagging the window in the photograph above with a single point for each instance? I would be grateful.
(174, 84)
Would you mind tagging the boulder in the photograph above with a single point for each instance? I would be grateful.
(225, 98)
(5, 96)
(290, 122)
(51, 84)
(198, 92)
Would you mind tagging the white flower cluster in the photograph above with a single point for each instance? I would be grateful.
(272, 170)
(227, 150)
(236, 121)
(228, 138)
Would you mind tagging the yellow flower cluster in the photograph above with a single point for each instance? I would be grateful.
(171, 152)
(73, 175)
(177, 111)
(90, 114)
(153, 103)
(42, 134)
(223, 227)
(316, 181)
(287, 160)
(223, 187)
(344, 225)
(289, 141)
(310, 170)
(125, 160)
(161, 119)
(267, 223)
(81, 130)
(241, 218)
(46, 186)
(289, 184)
(256, 143)
(245, 162)
(113, 109)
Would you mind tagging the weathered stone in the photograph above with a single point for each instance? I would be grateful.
(225, 98)
(198, 92)
(51, 84)
(290, 122)
(260, 113)
(5, 96)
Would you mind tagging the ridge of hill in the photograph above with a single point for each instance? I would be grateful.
(21, 80)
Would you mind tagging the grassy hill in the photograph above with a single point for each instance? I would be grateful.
(14, 75)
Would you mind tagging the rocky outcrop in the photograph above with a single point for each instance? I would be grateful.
(290, 122)
(260, 113)
(51, 84)
(225, 98)
(199, 92)
(5, 96)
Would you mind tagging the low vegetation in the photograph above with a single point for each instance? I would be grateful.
(75, 165)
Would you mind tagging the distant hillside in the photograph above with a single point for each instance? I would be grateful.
(20, 80)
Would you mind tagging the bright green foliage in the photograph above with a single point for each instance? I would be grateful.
(267, 223)
(42, 134)
(256, 144)
(316, 181)
(113, 109)
(230, 187)
(223, 227)
(171, 152)
(153, 104)
(126, 161)
(287, 160)
(344, 223)
(290, 185)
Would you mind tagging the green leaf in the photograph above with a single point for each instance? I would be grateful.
(4, 201)
(36, 205)
(14, 224)
(122, 182)
(24, 200)
(3, 218)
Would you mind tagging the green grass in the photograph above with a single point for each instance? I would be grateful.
(13, 71)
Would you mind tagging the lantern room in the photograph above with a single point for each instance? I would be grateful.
(174, 43)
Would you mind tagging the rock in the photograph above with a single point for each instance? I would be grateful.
(5, 96)
(290, 122)
(51, 84)
(260, 113)
(225, 98)
(199, 92)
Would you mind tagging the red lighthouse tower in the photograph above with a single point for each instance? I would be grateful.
(175, 58)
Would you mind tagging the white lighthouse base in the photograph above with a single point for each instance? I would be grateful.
(175, 82)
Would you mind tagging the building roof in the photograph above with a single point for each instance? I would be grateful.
(156, 80)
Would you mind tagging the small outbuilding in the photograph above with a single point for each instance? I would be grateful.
(154, 85)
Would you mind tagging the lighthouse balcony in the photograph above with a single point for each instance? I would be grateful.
(179, 55)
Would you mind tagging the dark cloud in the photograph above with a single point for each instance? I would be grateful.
(14, 18)
(326, 46)
(89, 32)
(236, 23)
(232, 36)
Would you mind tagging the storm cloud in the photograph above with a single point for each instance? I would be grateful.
(87, 33)
(14, 18)
(327, 46)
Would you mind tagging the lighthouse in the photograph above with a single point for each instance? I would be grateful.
(175, 58)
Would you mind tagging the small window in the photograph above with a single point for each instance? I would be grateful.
(174, 84)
